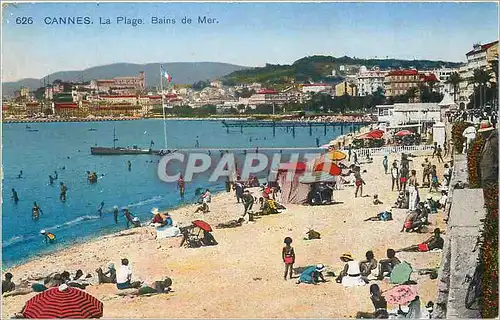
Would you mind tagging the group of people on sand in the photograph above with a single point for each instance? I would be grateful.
(122, 278)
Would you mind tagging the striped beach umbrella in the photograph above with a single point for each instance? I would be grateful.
(63, 302)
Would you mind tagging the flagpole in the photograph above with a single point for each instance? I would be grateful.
(163, 106)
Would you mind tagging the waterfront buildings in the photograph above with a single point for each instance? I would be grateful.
(369, 81)
(120, 85)
(480, 57)
(346, 87)
(398, 82)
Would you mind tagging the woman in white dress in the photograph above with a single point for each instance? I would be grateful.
(350, 276)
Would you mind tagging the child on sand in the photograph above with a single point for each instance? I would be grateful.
(376, 200)
(288, 256)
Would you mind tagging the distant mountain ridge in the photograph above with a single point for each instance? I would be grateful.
(181, 72)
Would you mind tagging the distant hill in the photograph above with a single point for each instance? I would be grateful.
(181, 72)
(319, 68)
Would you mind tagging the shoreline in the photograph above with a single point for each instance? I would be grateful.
(247, 253)
(247, 118)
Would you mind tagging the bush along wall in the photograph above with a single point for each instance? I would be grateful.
(456, 135)
(489, 253)
(473, 158)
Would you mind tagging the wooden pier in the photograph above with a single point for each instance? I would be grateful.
(289, 125)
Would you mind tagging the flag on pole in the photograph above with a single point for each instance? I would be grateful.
(167, 76)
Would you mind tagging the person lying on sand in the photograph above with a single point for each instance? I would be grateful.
(157, 287)
(434, 242)
(350, 276)
(382, 216)
(386, 265)
(231, 224)
(312, 274)
(366, 266)
(376, 200)
(109, 276)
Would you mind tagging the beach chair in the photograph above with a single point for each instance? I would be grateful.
(190, 238)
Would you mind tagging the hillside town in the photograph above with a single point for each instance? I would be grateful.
(469, 85)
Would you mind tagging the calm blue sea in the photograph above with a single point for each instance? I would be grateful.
(65, 147)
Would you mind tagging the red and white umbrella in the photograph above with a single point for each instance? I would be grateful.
(403, 133)
(63, 302)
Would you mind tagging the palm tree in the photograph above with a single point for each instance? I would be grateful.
(454, 80)
(412, 94)
(481, 77)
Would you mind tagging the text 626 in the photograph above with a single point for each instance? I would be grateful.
(24, 20)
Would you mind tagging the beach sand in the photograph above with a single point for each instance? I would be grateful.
(242, 277)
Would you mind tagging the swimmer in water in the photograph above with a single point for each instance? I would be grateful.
(55, 175)
(62, 196)
(14, 196)
(51, 179)
(99, 209)
(36, 211)
(20, 175)
(115, 214)
(49, 236)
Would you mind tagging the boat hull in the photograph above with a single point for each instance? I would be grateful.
(106, 151)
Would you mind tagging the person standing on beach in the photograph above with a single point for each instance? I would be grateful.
(359, 183)
(426, 172)
(36, 211)
(99, 209)
(115, 214)
(238, 187)
(288, 256)
(412, 188)
(62, 196)
(395, 175)
(14, 196)
(439, 154)
(434, 179)
(247, 200)
(403, 177)
(181, 186)
(434, 149)
(385, 163)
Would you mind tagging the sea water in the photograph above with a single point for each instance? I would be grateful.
(65, 148)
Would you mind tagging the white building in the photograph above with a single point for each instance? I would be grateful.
(480, 57)
(443, 75)
(413, 113)
(385, 113)
(315, 87)
(368, 81)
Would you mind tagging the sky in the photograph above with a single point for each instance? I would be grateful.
(248, 34)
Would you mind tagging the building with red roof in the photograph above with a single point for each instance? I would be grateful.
(398, 82)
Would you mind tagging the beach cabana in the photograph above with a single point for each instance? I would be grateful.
(292, 190)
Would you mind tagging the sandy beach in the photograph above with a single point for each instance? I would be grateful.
(242, 277)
